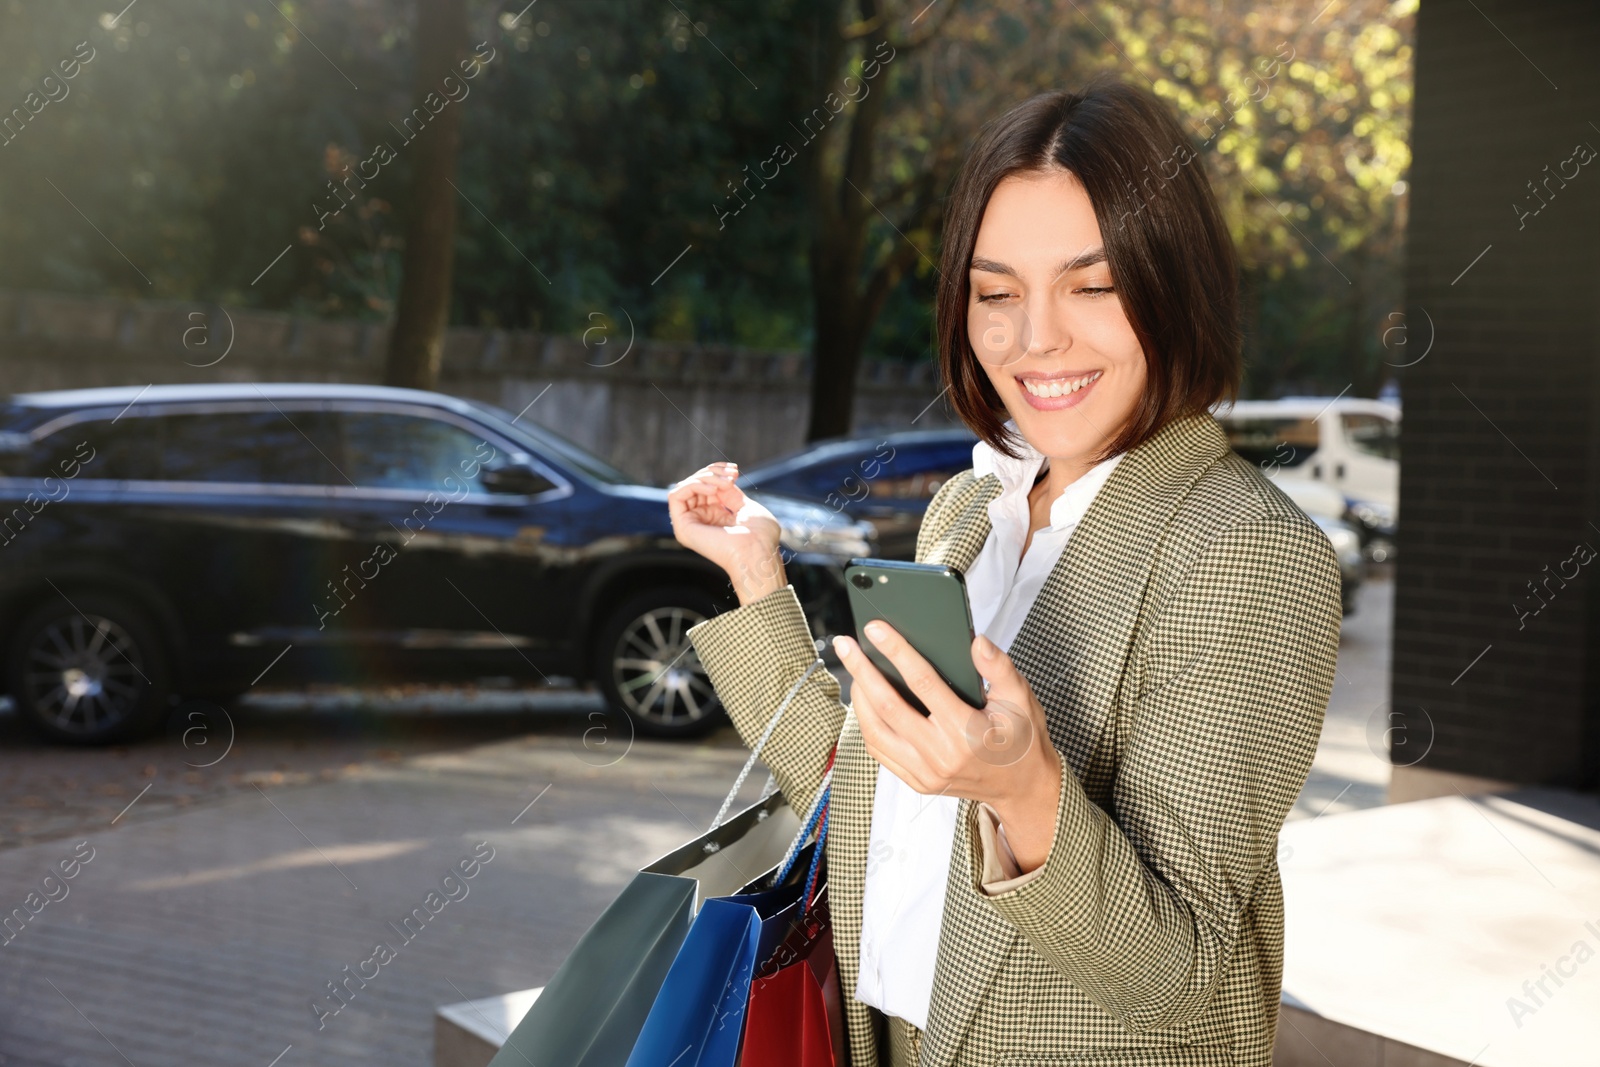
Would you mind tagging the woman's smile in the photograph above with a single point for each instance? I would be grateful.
(1052, 392)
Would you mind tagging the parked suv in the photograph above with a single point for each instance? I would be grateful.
(200, 539)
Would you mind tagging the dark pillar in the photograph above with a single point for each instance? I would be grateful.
(1497, 610)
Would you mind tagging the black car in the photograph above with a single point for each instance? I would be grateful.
(196, 540)
(886, 480)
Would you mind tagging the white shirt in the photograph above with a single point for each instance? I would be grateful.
(908, 855)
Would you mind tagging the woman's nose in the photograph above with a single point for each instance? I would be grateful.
(1047, 329)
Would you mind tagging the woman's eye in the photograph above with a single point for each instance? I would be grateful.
(992, 298)
(1095, 292)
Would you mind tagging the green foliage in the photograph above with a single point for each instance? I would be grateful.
(605, 139)
(1304, 111)
(600, 149)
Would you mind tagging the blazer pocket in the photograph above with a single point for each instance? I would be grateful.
(1175, 1056)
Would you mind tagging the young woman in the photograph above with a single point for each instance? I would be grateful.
(1086, 870)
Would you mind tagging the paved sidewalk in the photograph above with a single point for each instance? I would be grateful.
(203, 936)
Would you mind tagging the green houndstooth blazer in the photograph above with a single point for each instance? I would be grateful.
(1183, 648)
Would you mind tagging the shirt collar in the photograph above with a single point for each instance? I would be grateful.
(1016, 477)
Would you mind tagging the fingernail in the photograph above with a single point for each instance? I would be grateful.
(876, 629)
(986, 647)
(841, 646)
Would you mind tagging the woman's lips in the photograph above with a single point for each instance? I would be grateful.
(1072, 390)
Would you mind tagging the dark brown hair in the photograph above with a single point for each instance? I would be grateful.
(1172, 261)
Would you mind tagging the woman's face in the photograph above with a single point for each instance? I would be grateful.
(1045, 320)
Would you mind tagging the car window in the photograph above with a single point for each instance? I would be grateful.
(1373, 434)
(253, 447)
(389, 450)
(881, 471)
(129, 449)
(542, 441)
(276, 447)
(1273, 442)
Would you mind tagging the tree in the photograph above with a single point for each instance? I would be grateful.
(1303, 112)
(416, 344)
(877, 181)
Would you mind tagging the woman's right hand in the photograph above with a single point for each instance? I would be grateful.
(712, 516)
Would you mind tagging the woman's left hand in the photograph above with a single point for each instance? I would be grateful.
(1000, 754)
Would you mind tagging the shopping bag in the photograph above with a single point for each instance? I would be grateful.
(697, 1019)
(698, 1016)
(591, 1011)
(796, 1017)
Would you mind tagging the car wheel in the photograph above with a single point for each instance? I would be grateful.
(648, 670)
(89, 671)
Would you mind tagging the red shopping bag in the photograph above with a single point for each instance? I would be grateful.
(795, 1017)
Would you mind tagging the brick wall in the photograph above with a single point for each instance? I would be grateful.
(1501, 448)
(657, 412)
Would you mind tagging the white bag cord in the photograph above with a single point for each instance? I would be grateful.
(755, 750)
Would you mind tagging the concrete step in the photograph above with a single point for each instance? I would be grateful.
(1453, 931)
(469, 1033)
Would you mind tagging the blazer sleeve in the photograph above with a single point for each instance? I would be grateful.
(754, 654)
(1142, 909)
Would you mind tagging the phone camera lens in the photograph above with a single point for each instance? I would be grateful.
(861, 581)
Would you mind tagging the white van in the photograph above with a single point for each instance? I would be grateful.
(1348, 445)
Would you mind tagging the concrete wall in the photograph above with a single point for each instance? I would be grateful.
(657, 410)
(1495, 659)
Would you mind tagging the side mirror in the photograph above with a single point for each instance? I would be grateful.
(514, 477)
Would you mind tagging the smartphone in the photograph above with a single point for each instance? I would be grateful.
(927, 604)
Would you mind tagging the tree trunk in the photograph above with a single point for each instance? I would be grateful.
(835, 355)
(838, 249)
(1365, 374)
(416, 345)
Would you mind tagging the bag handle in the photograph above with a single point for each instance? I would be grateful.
(755, 750)
(816, 819)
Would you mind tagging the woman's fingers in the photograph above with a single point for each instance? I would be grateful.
(891, 707)
(918, 673)
(883, 743)
(712, 474)
(706, 496)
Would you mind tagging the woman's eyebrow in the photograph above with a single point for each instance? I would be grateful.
(991, 266)
(1087, 258)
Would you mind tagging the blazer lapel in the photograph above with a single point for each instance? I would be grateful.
(1074, 643)
(1072, 648)
(961, 975)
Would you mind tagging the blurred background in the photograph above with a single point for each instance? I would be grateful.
(347, 349)
(615, 174)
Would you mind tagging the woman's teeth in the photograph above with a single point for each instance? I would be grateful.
(1058, 387)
